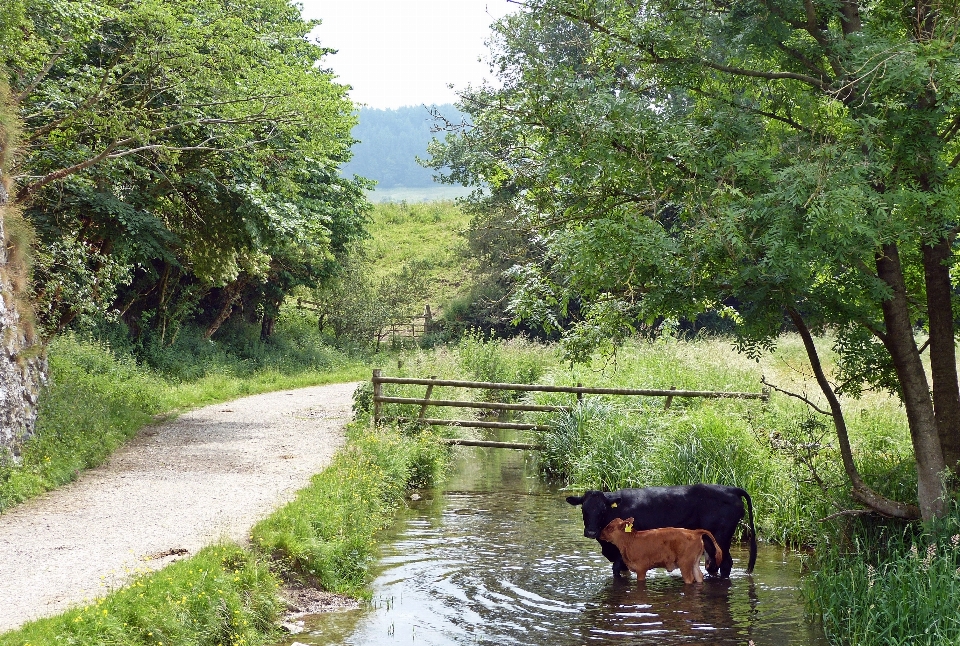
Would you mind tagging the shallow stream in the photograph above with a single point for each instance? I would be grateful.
(498, 557)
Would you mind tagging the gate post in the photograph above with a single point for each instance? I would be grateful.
(376, 396)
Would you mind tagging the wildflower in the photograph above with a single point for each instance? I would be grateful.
(928, 559)
(871, 575)
(955, 540)
(913, 551)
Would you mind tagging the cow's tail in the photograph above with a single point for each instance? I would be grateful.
(716, 545)
(753, 531)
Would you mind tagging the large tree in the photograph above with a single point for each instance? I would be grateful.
(179, 158)
(778, 160)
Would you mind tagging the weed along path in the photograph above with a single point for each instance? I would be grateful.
(178, 486)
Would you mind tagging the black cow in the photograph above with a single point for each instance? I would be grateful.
(701, 506)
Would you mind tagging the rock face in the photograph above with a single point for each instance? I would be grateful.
(23, 366)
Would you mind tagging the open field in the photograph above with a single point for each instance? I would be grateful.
(428, 237)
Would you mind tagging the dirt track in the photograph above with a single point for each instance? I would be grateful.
(179, 485)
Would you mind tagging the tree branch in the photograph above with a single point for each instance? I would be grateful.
(847, 512)
(772, 115)
(32, 85)
(809, 403)
(655, 58)
(111, 151)
(860, 491)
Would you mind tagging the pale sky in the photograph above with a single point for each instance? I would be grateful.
(405, 52)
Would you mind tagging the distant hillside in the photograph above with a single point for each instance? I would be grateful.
(390, 141)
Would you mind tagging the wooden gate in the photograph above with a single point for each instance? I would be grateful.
(426, 401)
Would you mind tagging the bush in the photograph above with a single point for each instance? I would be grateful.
(515, 361)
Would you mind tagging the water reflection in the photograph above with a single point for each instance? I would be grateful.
(500, 559)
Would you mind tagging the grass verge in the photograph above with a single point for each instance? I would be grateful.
(223, 596)
(326, 535)
(228, 595)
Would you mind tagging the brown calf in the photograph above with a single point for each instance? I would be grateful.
(667, 547)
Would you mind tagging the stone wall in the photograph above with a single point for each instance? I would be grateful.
(23, 366)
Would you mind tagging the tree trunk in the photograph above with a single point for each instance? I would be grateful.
(859, 489)
(900, 342)
(231, 294)
(943, 357)
(266, 326)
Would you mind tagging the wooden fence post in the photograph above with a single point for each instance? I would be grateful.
(376, 396)
(669, 399)
(423, 407)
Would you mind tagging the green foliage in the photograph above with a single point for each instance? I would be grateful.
(412, 259)
(514, 362)
(223, 595)
(165, 203)
(905, 592)
(326, 535)
(295, 347)
(673, 160)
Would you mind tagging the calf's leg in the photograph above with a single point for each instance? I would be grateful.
(610, 551)
(697, 574)
(723, 568)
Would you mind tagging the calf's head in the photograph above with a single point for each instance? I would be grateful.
(615, 528)
(598, 508)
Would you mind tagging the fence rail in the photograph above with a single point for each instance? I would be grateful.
(379, 399)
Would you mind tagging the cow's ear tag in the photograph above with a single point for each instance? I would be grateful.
(628, 528)
(614, 505)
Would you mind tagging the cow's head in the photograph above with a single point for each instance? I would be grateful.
(598, 509)
(614, 527)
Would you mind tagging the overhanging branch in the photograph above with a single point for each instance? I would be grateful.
(859, 489)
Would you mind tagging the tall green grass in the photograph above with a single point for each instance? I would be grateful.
(883, 589)
(326, 536)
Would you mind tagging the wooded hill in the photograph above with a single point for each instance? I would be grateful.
(389, 142)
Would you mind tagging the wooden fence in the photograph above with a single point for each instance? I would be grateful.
(426, 401)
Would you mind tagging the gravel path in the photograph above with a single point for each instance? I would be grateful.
(181, 485)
